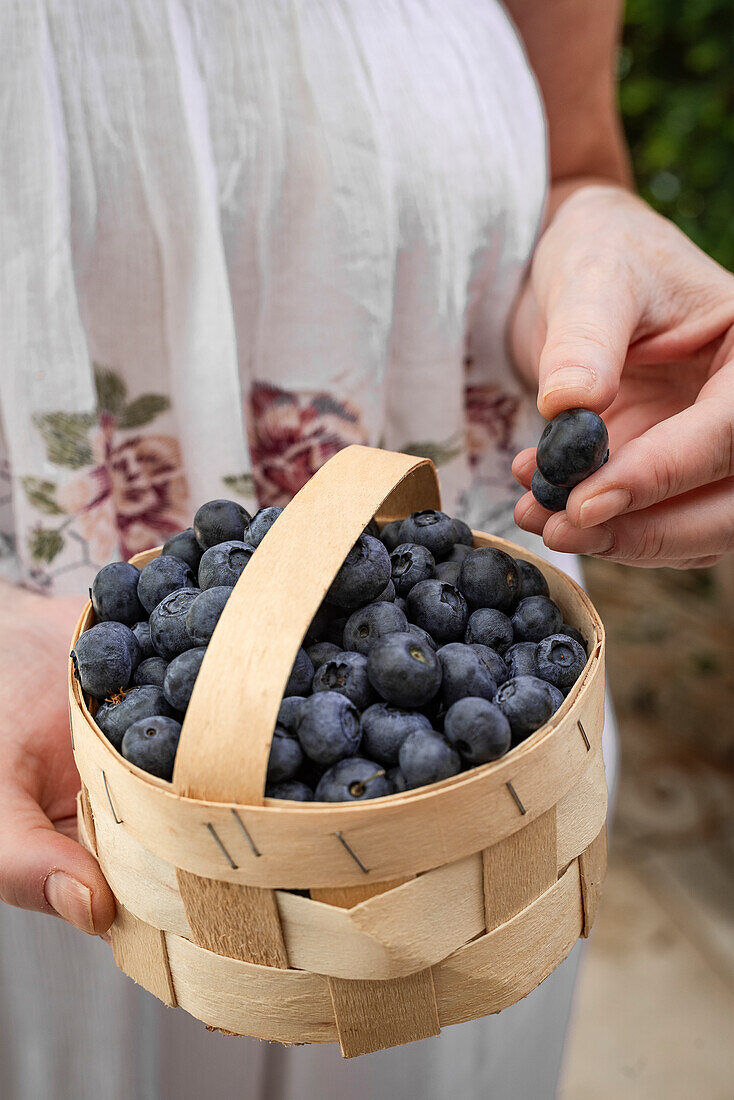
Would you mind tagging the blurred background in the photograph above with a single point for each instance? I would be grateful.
(654, 1016)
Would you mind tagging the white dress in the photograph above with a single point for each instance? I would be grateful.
(235, 236)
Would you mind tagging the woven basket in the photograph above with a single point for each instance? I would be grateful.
(427, 908)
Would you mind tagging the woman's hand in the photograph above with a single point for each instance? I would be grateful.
(42, 866)
(624, 315)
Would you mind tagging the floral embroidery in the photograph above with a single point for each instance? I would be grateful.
(129, 491)
(292, 435)
(491, 414)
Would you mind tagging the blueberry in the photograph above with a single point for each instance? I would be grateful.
(419, 632)
(220, 521)
(439, 608)
(319, 625)
(397, 780)
(181, 676)
(464, 673)
(289, 713)
(299, 681)
(142, 633)
(458, 552)
(286, 756)
(427, 757)
(532, 581)
(369, 623)
(364, 574)
(328, 727)
(372, 528)
(390, 534)
(527, 704)
(168, 623)
(114, 594)
(150, 671)
(489, 627)
(478, 730)
(161, 576)
(557, 698)
(430, 528)
(335, 630)
(184, 545)
(116, 715)
(573, 445)
(223, 564)
(353, 780)
(387, 595)
(464, 535)
(203, 615)
(551, 497)
(402, 604)
(560, 661)
(572, 632)
(384, 728)
(449, 572)
(320, 652)
(151, 744)
(490, 578)
(520, 659)
(260, 524)
(410, 563)
(292, 790)
(104, 658)
(497, 667)
(404, 670)
(346, 674)
(536, 617)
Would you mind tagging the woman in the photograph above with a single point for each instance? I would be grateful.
(236, 237)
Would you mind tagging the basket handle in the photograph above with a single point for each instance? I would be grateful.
(225, 740)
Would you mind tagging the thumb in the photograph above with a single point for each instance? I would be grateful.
(43, 870)
(588, 332)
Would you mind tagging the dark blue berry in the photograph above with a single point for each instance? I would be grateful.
(150, 671)
(489, 578)
(181, 676)
(419, 632)
(572, 632)
(203, 615)
(114, 594)
(404, 670)
(489, 627)
(328, 727)
(410, 563)
(560, 661)
(497, 667)
(319, 625)
(387, 595)
(402, 604)
(557, 697)
(372, 528)
(363, 576)
(464, 673)
(260, 524)
(464, 535)
(527, 704)
(116, 715)
(142, 633)
(573, 445)
(104, 658)
(478, 730)
(449, 572)
(353, 780)
(397, 780)
(168, 623)
(335, 630)
(151, 744)
(367, 624)
(286, 756)
(520, 659)
(427, 757)
(320, 652)
(299, 681)
(346, 674)
(184, 545)
(430, 528)
(536, 617)
(160, 577)
(290, 712)
(390, 534)
(223, 564)
(384, 728)
(458, 552)
(292, 790)
(439, 608)
(551, 497)
(532, 581)
(220, 521)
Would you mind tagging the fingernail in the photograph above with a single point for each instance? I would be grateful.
(71, 899)
(606, 505)
(569, 378)
(603, 542)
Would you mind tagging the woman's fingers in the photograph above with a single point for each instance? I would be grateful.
(44, 870)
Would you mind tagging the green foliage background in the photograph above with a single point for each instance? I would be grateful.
(676, 92)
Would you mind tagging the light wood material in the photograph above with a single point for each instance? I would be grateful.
(592, 868)
(346, 897)
(519, 869)
(240, 921)
(85, 817)
(370, 1016)
(140, 950)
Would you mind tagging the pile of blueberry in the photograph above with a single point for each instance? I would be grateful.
(572, 447)
(427, 657)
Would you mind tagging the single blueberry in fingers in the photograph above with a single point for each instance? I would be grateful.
(384, 728)
(151, 744)
(286, 756)
(478, 730)
(363, 576)
(430, 528)
(464, 673)
(290, 711)
(532, 581)
(560, 660)
(184, 545)
(104, 658)
(168, 623)
(520, 659)
(353, 780)
(220, 521)
(404, 670)
(346, 674)
(365, 625)
(181, 676)
(427, 757)
(328, 727)
(490, 578)
(551, 497)
(409, 564)
(526, 703)
(535, 618)
(292, 790)
(115, 715)
(114, 594)
(439, 608)
(573, 445)
(162, 576)
(489, 627)
(299, 681)
(490, 657)
(223, 564)
(260, 524)
(150, 671)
